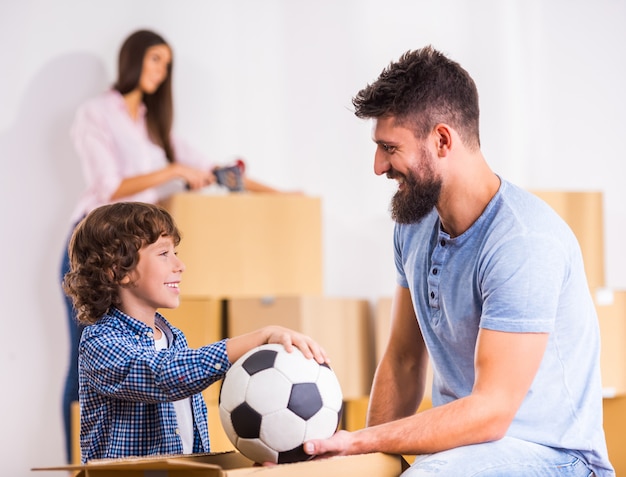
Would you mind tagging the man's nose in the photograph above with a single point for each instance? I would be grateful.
(381, 164)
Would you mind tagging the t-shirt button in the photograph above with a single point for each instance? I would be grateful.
(435, 271)
(177, 431)
(217, 366)
(442, 242)
(432, 294)
(150, 334)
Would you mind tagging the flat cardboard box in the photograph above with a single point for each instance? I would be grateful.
(341, 325)
(583, 212)
(249, 245)
(233, 464)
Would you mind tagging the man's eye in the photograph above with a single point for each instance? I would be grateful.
(387, 148)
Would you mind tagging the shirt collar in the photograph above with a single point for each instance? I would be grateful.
(139, 326)
(133, 323)
(118, 99)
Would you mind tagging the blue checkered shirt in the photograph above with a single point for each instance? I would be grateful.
(127, 388)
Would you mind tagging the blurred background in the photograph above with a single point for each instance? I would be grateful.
(271, 81)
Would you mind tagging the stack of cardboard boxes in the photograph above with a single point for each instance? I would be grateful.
(254, 260)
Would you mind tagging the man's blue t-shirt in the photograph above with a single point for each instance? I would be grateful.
(518, 268)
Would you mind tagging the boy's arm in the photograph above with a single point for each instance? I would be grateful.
(116, 365)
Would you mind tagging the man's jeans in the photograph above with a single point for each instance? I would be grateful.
(507, 457)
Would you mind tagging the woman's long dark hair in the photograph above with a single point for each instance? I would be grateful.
(160, 110)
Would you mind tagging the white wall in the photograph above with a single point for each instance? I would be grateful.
(272, 81)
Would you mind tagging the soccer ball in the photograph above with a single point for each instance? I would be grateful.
(272, 401)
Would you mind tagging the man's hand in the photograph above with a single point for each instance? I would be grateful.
(338, 444)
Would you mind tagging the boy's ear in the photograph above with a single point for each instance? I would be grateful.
(124, 281)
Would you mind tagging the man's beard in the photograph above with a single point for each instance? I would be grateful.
(417, 198)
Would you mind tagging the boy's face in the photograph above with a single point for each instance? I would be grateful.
(154, 282)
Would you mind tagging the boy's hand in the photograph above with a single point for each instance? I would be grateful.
(289, 338)
(238, 345)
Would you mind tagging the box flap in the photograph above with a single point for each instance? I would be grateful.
(222, 460)
(233, 464)
(377, 464)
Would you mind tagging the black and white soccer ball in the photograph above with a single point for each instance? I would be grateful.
(272, 401)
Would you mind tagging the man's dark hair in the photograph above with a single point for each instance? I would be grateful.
(422, 89)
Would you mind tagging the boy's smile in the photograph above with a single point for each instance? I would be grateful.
(154, 283)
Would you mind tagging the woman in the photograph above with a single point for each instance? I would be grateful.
(124, 141)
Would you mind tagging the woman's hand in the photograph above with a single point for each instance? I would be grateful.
(195, 178)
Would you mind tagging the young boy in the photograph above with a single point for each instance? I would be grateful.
(140, 384)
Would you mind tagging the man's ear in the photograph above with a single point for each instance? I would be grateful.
(125, 280)
(443, 136)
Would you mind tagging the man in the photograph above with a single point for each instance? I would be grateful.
(491, 288)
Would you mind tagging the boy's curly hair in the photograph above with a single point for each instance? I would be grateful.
(104, 249)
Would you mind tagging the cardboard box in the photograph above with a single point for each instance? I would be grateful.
(201, 320)
(614, 424)
(611, 309)
(382, 324)
(75, 431)
(382, 327)
(249, 245)
(354, 413)
(584, 213)
(233, 464)
(341, 326)
(219, 440)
